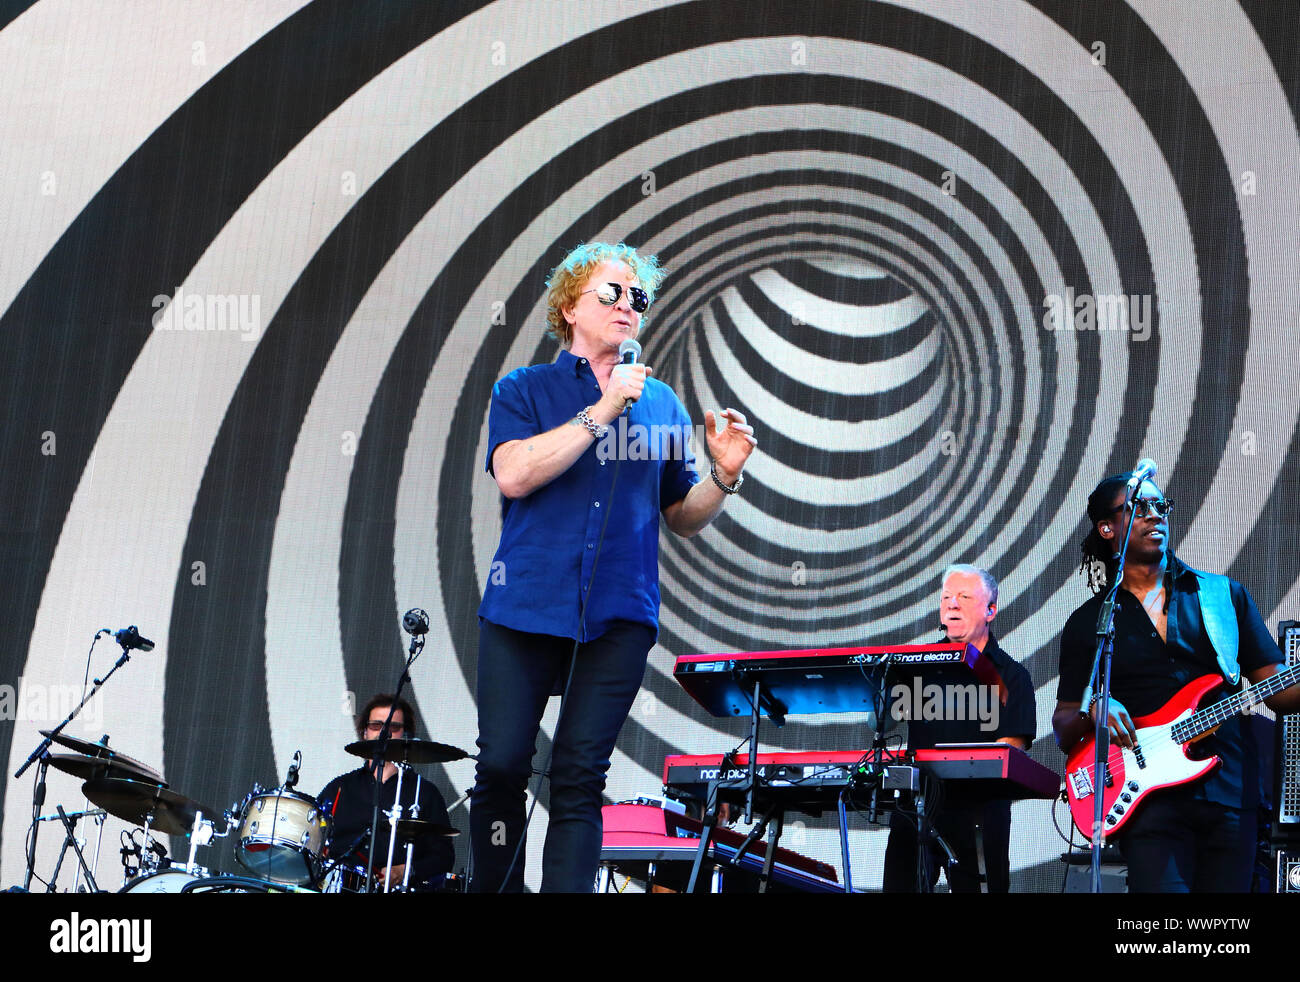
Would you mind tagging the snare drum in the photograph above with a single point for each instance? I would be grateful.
(281, 836)
(345, 878)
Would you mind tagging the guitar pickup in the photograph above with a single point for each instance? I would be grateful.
(1080, 782)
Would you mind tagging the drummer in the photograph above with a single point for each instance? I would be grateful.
(350, 799)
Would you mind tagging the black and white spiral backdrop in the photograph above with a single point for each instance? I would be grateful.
(865, 209)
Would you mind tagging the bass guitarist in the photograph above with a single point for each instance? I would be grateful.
(1173, 624)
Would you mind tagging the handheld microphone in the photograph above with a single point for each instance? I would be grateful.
(629, 351)
(1145, 470)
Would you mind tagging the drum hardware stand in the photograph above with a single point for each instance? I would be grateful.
(42, 753)
(410, 844)
(100, 816)
(469, 872)
(202, 832)
(394, 815)
(150, 861)
(70, 839)
(1099, 684)
(416, 623)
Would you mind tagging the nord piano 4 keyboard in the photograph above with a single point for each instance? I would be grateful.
(823, 680)
(812, 781)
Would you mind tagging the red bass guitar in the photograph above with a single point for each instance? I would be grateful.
(1159, 757)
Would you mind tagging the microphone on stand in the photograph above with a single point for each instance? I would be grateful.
(1145, 470)
(129, 638)
(415, 622)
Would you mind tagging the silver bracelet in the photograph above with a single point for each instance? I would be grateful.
(713, 473)
(594, 428)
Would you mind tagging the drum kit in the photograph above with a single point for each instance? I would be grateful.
(281, 836)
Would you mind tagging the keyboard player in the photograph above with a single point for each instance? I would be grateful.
(968, 604)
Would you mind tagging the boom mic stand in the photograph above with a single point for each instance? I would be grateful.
(1101, 662)
(416, 623)
(41, 753)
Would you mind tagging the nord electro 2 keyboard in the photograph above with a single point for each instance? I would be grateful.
(822, 680)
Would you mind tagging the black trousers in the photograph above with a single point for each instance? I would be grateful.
(1176, 843)
(517, 673)
(956, 823)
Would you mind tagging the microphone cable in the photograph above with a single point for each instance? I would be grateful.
(545, 770)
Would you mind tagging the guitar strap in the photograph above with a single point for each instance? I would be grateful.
(1220, 619)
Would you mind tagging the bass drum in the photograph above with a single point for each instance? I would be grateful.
(164, 881)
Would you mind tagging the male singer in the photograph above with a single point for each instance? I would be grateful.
(573, 605)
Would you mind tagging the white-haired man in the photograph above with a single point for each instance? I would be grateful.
(968, 604)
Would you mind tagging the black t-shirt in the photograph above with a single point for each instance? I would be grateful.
(349, 798)
(1015, 717)
(1147, 672)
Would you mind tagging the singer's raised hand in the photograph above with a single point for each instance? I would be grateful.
(731, 447)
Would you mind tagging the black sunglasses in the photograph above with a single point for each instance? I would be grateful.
(608, 294)
(1149, 506)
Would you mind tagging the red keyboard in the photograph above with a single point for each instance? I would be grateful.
(823, 680)
(813, 779)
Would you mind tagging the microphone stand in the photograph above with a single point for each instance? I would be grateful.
(377, 765)
(1101, 662)
(42, 754)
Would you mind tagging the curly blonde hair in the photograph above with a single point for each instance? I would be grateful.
(564, 286)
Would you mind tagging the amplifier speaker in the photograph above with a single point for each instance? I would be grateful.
(1288, 871)
(1286, 786)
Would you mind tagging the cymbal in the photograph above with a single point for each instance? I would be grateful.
(408, 751)
(103, 751)
(133, 801)
(415, 828)
(93, 768)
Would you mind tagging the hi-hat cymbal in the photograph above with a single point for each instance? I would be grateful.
(93, 768)
(408, 751)
(102, 751)
(415, 828)
(168, 811)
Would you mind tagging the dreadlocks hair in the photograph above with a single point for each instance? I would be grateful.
(1099, 557)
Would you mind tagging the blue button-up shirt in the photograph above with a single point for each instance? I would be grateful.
(551, 539)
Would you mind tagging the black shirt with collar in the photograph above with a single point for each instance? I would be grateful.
(1016, 716)
(348, 798)
(955, 821)
(1147, 672)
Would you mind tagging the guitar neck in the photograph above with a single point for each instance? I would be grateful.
(1238, 702)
